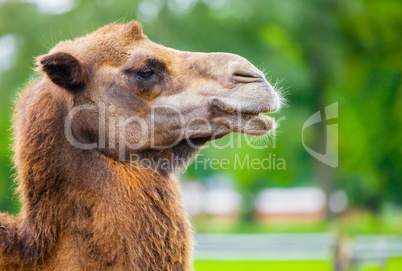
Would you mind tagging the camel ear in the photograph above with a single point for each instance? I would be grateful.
(65, 70)
(134, 30)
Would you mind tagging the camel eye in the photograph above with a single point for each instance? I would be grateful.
(145, 73)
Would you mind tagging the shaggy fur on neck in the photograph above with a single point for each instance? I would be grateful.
(83, 210)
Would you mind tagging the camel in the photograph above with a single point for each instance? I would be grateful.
(85, 204)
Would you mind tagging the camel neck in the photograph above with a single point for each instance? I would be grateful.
(142, 212)
(79, 201)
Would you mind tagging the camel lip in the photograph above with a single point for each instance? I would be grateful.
(223, 107)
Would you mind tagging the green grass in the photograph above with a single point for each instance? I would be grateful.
(261, 266)
(393, 265)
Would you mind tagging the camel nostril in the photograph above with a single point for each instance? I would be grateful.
(246, 76)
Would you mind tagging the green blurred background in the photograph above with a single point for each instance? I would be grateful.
(320, 53)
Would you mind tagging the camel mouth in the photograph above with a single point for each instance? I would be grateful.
(250, 120)
(245, 111)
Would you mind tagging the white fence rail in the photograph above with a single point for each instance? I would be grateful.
(264, 247)
(375, 250)
(355, 254)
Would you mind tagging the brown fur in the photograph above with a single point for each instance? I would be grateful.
(90, 209)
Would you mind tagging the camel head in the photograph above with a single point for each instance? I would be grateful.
(126, 94)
